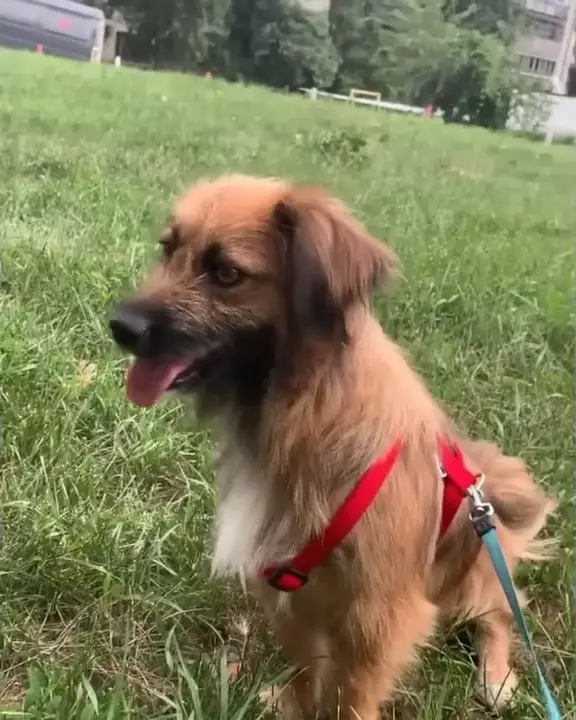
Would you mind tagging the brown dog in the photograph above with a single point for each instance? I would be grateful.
(260, 308)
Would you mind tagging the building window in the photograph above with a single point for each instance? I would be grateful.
(536, 65)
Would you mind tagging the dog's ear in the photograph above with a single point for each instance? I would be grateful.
(313, 312)
(331, 261)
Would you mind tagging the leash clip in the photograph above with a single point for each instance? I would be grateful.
(481, 512)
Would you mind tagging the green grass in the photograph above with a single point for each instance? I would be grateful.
(106, 606)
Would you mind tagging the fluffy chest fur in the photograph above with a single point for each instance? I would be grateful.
(248, 537)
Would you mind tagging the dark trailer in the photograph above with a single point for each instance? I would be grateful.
(53, 27)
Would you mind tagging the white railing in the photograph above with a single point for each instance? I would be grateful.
(560, 120)
(355, 99)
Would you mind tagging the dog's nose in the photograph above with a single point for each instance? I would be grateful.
(131, 327)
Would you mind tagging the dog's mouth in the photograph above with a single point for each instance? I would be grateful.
(148, 380)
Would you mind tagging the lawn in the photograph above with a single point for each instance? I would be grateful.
(107, 609)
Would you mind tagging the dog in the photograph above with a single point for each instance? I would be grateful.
(259, 309)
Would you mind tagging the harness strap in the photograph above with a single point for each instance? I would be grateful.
(294, 575)
(457, 481)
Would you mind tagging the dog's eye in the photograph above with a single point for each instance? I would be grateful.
(225, 274)
(169, 241)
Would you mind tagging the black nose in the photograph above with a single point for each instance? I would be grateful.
(131, 327)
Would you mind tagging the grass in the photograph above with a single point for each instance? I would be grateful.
(106, 606)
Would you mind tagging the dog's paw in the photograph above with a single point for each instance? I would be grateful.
(280, 701)
(497, 696)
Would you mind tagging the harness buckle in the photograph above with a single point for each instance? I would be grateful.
(287, 579)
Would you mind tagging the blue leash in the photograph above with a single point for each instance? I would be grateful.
(481, 516)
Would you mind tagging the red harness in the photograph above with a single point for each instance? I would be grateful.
(293, 575)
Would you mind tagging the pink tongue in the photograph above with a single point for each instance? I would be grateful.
(146, 380)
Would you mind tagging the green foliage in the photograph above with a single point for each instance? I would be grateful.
(282, 45)
(277, 43)
(358, 29)
(423, 49)
(188, 35)
(438, 57)
(495, 17)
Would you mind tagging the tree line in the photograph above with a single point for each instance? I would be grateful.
(456, 55)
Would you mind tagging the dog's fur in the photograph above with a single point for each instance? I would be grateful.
(305, 391)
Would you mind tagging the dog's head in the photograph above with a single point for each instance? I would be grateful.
(253, 274)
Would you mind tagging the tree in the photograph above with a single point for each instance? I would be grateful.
(492, 17)
(276, 42)
(357, 28)
(279, 43)
(472, 76)
(192, 36)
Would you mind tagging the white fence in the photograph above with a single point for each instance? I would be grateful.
(314, 93)
(548, 114)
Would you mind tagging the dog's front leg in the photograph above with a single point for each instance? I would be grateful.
(372, 649)
(305, 648)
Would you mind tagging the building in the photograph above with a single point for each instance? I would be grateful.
(115, 34)
(545, 52)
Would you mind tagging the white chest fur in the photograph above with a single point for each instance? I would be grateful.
(247, 537)
(242, 514)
